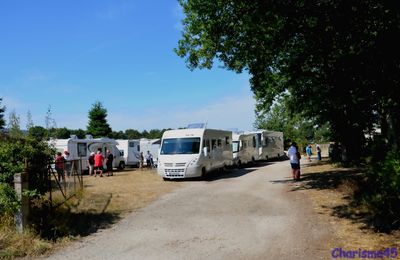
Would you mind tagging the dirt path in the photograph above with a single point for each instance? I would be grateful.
(245, 214)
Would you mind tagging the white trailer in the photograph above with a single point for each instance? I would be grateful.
(269, 144)
(192, 152)
(244, 148)
(151, 145)
(80, 149)
(130, 150)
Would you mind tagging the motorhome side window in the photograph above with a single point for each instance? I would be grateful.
(227, 140)
(82, 150)
(213, 144)
(219, 143)
(254, 141)
(138, 148)
(132, 144)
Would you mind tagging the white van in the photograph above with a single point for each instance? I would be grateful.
(130, 150)
(80, 149)
(244, 148)
(186, 153)
(269, 144)
(151, 145)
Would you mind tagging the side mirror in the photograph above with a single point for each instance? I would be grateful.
(205, 151)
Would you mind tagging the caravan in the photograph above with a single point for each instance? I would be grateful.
(193, 152)
(269, 144)
(130, 150)
(80, 149)
(244, 148)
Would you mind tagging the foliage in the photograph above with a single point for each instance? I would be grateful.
(8, 199)
(38, 132)
(294, 126)
(98, 126)
(2, 110)
(29, 121)
(337, 59)
(18, 154)
(14, 128)
(62, 133)
(381, 192)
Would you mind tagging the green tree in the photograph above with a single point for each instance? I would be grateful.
(29, 121)
(98, 126)
(344, 74)
(38, 132)
(80, 133)
(62, 133)
(132, 134)
(2, 110)
(14, 128)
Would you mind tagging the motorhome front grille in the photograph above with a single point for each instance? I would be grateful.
(168, 164)
(174, 172)
(180, 164)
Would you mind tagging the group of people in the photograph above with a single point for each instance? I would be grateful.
(96, 160)
(294, 156)
(63, 165)
(149, 160)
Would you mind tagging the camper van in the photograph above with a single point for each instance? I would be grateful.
(269, 144)
(186, 153)
(151, 145)
(130, 150)
(244, 148)
(80, 149)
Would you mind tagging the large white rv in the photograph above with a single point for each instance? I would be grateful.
(244, 148)
(269, 144)
(186, 153)
(80, 149)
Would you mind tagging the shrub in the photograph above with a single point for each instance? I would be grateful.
(8, 200)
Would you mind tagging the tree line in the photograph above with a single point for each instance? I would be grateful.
(97, 126)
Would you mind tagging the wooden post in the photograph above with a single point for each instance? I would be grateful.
(21, 217)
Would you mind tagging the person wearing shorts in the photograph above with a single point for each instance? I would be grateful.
(293, 155)
(98, 164)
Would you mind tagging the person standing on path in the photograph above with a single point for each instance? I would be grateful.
(309, 152)
(90, 162)
(319, 152)
(109, 163)
(59, 166)
(98, 164)
(294, 160)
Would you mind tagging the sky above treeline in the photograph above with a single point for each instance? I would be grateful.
(69, 54)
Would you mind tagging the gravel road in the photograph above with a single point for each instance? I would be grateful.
(244, 214)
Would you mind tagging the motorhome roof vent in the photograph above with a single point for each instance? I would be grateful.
(196, 125)
(73, 137)
(89, 137)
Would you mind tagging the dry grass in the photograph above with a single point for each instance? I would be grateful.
(330, 189)
(103, 202)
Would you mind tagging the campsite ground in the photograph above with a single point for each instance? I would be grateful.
(252, 213)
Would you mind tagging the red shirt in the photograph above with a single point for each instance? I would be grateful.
(98, 160)
(60, 162)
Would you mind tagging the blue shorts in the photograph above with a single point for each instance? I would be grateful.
(295, 166)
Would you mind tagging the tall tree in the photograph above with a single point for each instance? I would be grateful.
(98, 126)
(339, 60)
(14, 128)
(2, 110)
(29, 121)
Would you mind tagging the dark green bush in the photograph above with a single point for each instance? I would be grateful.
(8, 199)
(382, 192)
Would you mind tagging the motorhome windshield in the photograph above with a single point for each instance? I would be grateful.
(180, 146)
(235, 146)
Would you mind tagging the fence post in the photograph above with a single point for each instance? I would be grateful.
(21, 217)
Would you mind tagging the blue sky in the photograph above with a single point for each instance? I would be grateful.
(69, 54)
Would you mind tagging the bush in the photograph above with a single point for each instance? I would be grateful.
(8, 200)
(382, 193)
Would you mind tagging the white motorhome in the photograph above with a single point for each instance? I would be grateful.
(151, 145)
(192, 152)
(244, 148)
(80, 149)
(269, 144)
(130, 150)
